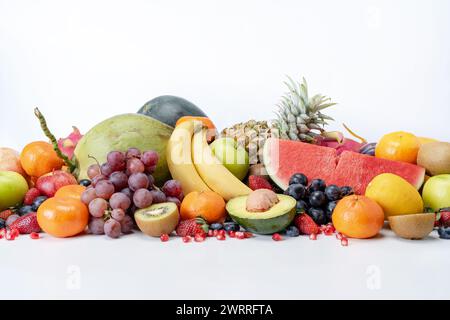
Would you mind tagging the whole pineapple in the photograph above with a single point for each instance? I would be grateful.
(298, 118)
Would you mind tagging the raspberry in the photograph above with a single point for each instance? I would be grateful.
(32, 194)
(164, 237)
(34, 235)
(277, 237)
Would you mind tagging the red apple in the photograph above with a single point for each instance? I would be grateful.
(51, 182)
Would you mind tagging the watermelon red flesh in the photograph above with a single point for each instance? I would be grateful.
(357, 170)
(283, 158)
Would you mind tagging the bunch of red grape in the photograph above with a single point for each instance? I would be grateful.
(121, 186)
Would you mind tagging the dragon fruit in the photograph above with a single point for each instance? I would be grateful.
(67, 145)
(337, 140)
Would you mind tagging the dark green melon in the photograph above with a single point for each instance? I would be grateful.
(168, 109)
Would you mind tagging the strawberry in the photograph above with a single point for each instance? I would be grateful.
(445, 218)
(192, 227)
(26, 224)
(5, 214)
(258, 182)
(32, 194)
(306, 224)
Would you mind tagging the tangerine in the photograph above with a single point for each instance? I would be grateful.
(39, 158)
(206, 204)
(73, 191)
(398, 146)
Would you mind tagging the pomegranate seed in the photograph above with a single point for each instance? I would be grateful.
(215, 233)
(328, 231)
(15, 233)
(331, 227)
(248, 235)
(277, 237)
(10, 236)
(240, 235)
(344, 242)
(220, 237)
(210, 233)
(313, 236)
(34, 235)
(2, 233)
(339, 236)
(186, 239)
(222, 232)
(232, 234)
(164, 237)
(199, 238)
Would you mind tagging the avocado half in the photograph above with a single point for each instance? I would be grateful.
(273, 220)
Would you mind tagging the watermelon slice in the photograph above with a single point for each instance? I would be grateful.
(283, 158)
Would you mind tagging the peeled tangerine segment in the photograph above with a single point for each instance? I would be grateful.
(158, 219)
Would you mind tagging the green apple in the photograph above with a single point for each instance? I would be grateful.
(436, 192)
(232, 156)
(13, 188)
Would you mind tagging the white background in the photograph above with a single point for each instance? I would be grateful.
(387, 63)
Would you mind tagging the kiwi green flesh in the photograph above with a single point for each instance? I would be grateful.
(157, 211)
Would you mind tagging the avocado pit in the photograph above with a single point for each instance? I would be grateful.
(261, 200)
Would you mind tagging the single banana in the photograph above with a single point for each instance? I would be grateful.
(179, 159)
(211, 170)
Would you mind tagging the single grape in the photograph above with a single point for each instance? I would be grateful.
(150, 158)
(158, 196)
(93, 171)
(119, 201)
(174, 200)
(150, 170)
(172, 188)
(142, 198)
(96, 226)
(104, 189)
(127, 192)
(127, 224)
(97, 179)
(116, 160)
(135, 165)
(97, 207)
(119, 179)
(112, 228)
(106, 169)
(133, 153)
(88, 195)
(138, 181)
(118, 214)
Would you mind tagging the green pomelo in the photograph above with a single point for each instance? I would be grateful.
(120, 133)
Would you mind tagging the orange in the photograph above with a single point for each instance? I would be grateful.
(72, 191)
(358, 217)
(39, 158)
(398, 146)
(206, 204)
(63, 217)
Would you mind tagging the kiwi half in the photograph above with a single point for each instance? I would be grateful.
(158, 219)
(412, 226)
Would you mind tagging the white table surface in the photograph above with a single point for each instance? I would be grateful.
(140, 267)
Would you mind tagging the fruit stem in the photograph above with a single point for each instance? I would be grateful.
(70, 164)
(363, 141)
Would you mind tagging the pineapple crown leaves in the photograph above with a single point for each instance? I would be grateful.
(298, 114)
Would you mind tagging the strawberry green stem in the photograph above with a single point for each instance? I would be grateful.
(70, 164)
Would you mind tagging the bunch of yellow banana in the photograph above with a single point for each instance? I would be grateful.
(192, 162)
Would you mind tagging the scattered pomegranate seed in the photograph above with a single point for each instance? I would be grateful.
(248, 235)
(186, 239)
(339, 236)
(277, 237)
(221, 237)
(164, 237)
(15, 233)
(328, 231)
(344, 242)
(232, 234)
(10, 236)
(215, 233)
(34, 235)
(2, 233)
(210, 233)
(331, 227)
(199, 238)
(313, 236)
(240, 235)
(222, 232)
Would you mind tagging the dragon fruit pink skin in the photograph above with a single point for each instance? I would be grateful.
(67, 145)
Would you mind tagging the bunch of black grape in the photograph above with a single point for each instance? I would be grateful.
(318, 200)
(121, 186)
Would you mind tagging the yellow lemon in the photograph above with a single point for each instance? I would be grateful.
(395, 195)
